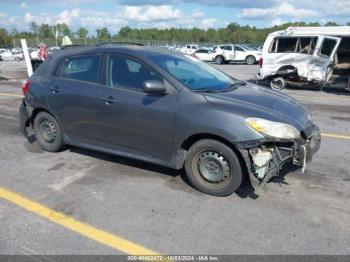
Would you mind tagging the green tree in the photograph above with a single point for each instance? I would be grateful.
(65, 30)
(330, 23)
(82, 32)
(103, 34)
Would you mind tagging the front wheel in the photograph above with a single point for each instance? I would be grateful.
(250, 60)
(48, 132)
(213, 168)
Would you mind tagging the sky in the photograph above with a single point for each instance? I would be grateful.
(93, 14)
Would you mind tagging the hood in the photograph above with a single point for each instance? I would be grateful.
(254, 101)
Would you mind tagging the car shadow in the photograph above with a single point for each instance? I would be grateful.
(245, 191)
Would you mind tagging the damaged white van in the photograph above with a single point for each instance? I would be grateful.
(306, 55)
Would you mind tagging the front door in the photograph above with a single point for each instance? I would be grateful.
(73, 96)
(322, 62)
(133, 121)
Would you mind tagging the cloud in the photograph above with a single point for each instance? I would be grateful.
(208, 23)
(149, 13)
(277, 21)
(285, 9)
(67, 16)
(23, 5)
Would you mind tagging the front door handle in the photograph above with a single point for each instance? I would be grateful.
(54, 89)
(108, 100)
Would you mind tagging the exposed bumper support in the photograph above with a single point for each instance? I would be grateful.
(266, 159)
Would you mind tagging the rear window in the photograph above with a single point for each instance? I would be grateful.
(82, 68)
(302, 45)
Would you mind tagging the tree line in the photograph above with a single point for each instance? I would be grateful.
(233, 32)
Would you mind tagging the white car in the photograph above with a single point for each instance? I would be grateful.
(9, 56)
(203, 54)
(236, 53)
(190, 49)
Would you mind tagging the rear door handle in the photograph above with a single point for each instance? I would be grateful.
(108, 100)
(55, 89)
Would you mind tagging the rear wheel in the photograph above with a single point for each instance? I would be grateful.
(250, 60)
(278, 83)
(48, 132)
(213, 168)
(219, 60)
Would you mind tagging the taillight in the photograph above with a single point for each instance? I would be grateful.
(25, 88)
(261, 61)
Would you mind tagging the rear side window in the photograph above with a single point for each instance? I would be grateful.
(328, 46)
(302, 45)
(227, 48)
(82, 68)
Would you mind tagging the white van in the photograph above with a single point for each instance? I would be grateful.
(301, 55)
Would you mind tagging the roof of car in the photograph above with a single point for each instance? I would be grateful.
(130, 49)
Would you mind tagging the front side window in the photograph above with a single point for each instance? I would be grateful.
(237, 48)
(193, 73)
(82, 68)
(328, 47)
(126, 73)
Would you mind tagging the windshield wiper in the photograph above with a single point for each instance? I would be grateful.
(234, 86)
(206, 90)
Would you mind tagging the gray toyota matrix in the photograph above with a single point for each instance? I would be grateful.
(169, 109)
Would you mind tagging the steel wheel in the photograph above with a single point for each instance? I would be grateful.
(213, 167)
(48, 132)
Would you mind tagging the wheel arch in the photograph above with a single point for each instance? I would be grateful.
(37, 110)
(189, 141)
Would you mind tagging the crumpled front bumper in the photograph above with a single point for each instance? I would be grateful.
(298, 152)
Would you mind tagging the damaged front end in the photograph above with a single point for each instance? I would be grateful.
(265, 158)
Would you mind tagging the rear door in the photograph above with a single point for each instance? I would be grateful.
(73, 96)
(322, 61)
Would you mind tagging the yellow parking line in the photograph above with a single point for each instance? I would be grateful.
(86, 230)
(336, 136)
(321, 97)
(13, 95)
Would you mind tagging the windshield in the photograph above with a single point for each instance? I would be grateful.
(193, 73)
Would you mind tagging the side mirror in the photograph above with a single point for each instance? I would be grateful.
(154, 87)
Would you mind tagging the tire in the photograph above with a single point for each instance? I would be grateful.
(48, 132)
(219, 60)
(278, 84)
(213, 168)
(250, 60)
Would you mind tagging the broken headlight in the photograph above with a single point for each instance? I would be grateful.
(273, 129)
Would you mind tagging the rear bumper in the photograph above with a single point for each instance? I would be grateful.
(24, 119)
